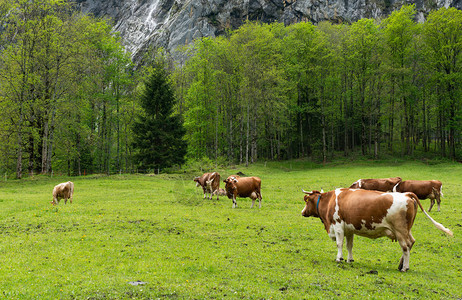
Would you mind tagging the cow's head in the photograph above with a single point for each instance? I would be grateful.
(311, 199)
(196, 179)
(231, 185)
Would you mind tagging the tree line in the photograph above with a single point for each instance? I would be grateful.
(72, 101)
(269, 91)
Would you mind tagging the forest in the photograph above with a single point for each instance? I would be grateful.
(70, 93)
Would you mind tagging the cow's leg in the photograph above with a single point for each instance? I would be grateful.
(406, 244)
(65, 200)
(438, 200)
(432, 202)
(339, 234)
(253, 202)
(259, 200)
(234, 201)
(349, 245)
(205, 192)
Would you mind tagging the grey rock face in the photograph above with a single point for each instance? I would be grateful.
(172, 23)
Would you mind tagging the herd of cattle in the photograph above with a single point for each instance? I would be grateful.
(369, 207)
(235, 186)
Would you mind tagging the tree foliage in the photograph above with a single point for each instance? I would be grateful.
(72, 101)
(62, 76)
(268, 91)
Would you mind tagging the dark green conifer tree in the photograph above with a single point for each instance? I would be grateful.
(158, 133)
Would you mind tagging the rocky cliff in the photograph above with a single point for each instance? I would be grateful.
(171, 23)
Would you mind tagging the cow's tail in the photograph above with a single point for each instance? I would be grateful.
(441, 190)
(437, 225)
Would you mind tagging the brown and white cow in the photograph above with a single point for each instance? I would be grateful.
(243, 187)
(213, 180)
(380, 184)
(373, 214)
(64, 191)
(424, 189)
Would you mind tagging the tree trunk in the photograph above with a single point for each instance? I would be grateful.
(19, 150)
(247, 140)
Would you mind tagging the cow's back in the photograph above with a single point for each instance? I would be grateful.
(422, 188)
(248, 185)
(381, 184)
(204, 178)
(215, 177)
(373, 212)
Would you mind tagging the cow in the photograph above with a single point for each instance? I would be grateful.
(64, 191)
(220, 192)
(212, 186)
(372, 214)
(380, 184)
(424, 189)
(243, 187)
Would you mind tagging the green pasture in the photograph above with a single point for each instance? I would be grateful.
(124, 230)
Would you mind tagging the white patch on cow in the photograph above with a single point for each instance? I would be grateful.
(336, 215)
(383, 228)
(331, 232)
(399, 203)
(336, 228)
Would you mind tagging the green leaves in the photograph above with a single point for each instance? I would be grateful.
(63, 76)
(269, 91)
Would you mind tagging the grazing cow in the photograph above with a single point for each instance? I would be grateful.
(209, 182)
(373, 214)
(424, 189)
(243, 187)
(380, 184)
(64, 191)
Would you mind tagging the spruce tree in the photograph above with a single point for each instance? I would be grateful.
(158, 133)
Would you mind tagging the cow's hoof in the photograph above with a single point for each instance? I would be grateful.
(339, 260)
(350, 260)
(404, 270)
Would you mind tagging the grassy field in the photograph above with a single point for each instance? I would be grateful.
(126, 229)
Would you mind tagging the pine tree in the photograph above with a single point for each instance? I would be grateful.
(158, 134)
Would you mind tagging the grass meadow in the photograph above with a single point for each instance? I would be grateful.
(149, 237)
